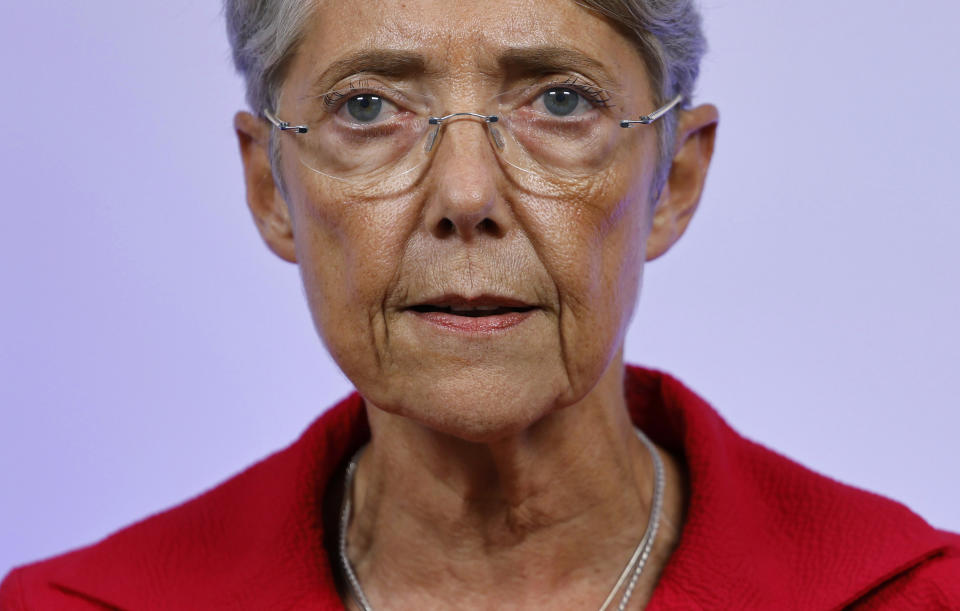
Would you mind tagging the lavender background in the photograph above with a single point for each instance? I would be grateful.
(150, 346)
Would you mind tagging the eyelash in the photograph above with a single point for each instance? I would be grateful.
(331, 100)
(597, 96)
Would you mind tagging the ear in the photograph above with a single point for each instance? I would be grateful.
(267, 205)
(696, 132)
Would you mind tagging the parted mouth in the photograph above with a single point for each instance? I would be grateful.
(483, 305)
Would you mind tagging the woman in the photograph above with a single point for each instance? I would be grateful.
(471, 195)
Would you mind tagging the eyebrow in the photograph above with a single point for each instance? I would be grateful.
(545, 60)
(396, 64)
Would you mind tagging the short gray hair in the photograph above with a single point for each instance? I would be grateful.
(264, 35)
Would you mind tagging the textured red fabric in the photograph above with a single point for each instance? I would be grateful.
(761, 532)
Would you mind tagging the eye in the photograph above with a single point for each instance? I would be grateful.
(365, 108)
(362, 105)
(562, 101)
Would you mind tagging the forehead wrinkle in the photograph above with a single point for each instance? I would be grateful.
(530, 54)
(462, 43)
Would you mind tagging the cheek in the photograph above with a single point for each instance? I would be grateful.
(348, 253)
(592, 242)
(622, 229)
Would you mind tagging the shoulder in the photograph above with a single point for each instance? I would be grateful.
(762, 527)
(249, 533)
(931, 584)
(25, 588)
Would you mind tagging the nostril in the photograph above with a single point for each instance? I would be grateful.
(467, 226)
(445, 227)
(487, 226)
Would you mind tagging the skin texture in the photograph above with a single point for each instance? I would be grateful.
(492, 452)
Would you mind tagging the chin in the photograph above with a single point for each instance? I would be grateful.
(482, 406)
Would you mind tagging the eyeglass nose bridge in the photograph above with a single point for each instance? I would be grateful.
(439, 122)
(486, 118)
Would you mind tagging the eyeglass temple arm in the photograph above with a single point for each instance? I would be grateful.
(653, 116)
(283, 125)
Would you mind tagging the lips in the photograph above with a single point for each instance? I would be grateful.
(483, 305)
(474, 316)
(467, 311)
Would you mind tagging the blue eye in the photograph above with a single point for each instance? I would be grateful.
(365, 108)
(561, 101)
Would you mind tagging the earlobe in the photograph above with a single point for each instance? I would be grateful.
(266, 203)
(696, 134)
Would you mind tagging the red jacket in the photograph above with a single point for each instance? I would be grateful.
(761, 532)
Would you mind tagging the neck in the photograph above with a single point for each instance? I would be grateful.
(438, 521)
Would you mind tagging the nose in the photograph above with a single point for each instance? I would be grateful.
(464, 197)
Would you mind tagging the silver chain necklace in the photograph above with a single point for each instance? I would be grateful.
(632, 570)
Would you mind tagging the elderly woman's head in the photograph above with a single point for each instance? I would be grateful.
(469, 216)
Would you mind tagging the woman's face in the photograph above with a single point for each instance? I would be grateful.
(564, 261)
